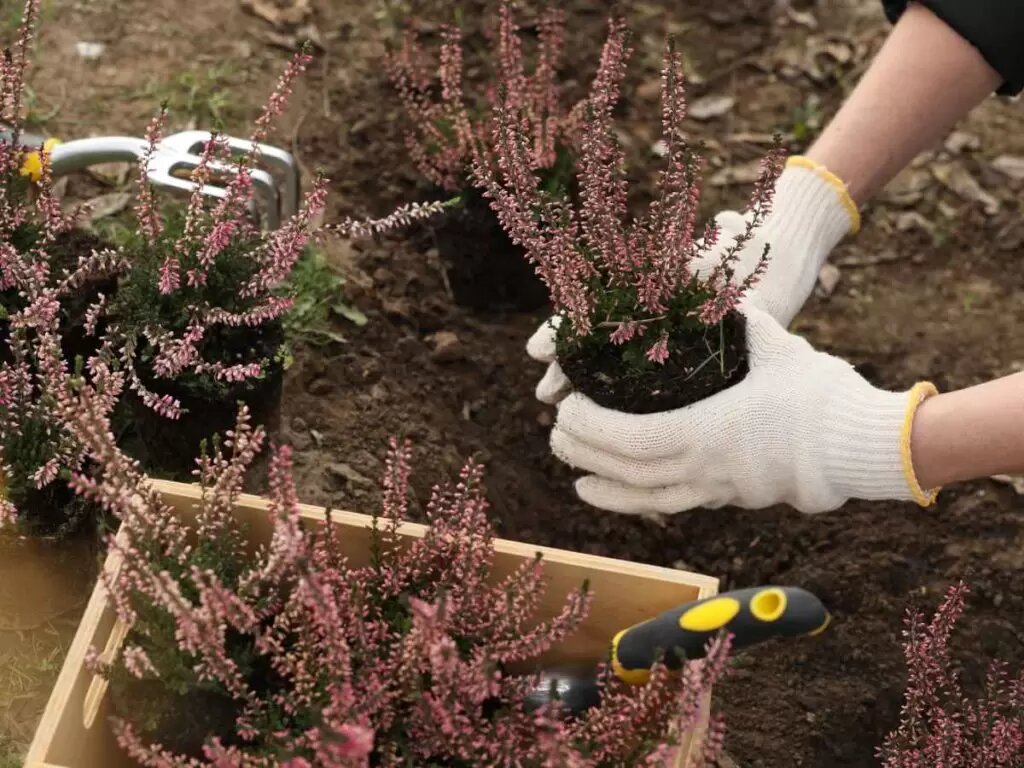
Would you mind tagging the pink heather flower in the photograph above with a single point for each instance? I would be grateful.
(658, 353)
(626, 331)
(170, 275)
(941, 726)
(136, 662)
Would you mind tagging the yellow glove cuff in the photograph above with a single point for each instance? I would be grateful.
(799, 161)
(918, 394)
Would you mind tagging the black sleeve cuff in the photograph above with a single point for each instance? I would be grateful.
(994, 27)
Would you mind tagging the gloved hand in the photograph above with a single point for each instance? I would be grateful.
(802, 428)
(811, 213)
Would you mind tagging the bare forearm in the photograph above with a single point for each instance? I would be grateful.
(925, 78)
(970, 433)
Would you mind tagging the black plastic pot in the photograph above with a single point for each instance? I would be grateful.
(169, 447)
(486, 270)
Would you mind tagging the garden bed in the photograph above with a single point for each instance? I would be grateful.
(909, 305)
(73, 732)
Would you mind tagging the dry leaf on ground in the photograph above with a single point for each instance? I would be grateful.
(709, 107)
(1010, 165)
(280, 13)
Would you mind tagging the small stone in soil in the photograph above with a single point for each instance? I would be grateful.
(320, 387)
(300, 441)
(828, 279)
(346, 473)
(446, 347)
(545, 419)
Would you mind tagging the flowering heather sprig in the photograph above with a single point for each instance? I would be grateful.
(403, 216)
(448, 132)
(608, 273)
(399, 662)
(939, 725)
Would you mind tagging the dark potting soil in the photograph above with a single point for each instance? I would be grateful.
(485, 269)
(698, 366)
(169, 448)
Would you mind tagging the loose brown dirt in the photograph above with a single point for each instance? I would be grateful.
(938, 295)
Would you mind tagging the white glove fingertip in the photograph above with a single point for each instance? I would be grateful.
(731, 222)
(554, 386)
(630, 500)
(541, 346)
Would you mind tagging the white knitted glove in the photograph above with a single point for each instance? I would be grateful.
(801, 428)
(810, 214)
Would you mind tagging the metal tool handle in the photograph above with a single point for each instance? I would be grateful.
(751, 615)
(80, 154)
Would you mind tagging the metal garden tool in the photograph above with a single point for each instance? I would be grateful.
(751, 615)
(174, 158)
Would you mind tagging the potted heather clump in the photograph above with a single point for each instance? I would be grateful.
(639, 327)
(449, 127)
(287, 654)
(49, 306)
(197, 321)
(38, 243)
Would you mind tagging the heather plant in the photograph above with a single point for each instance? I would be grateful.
(449, 111)
(636, 316)
(940, 725)
(289, 655)
(449, 128)
(202, 305)
(36, 290)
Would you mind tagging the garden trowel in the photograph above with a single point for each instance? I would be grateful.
(174, 158)
(682, 633)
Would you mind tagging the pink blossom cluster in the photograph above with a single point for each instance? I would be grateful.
(940, 725)
(447, 132)
(34, 446)
(606, 271)
(399, 662)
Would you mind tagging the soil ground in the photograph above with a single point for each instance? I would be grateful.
(931, 288)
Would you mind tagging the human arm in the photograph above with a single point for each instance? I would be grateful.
(970, 433)
(925, 78)
(908, 99)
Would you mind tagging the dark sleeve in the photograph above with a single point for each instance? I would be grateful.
(994, 27)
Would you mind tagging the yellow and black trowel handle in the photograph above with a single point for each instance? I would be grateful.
(750, 615)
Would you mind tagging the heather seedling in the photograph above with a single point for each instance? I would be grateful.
(291, 656)
(449, 126)
(939, 723)
(45, 288)
(641, 329)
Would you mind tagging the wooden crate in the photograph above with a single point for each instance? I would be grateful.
(73, 732)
